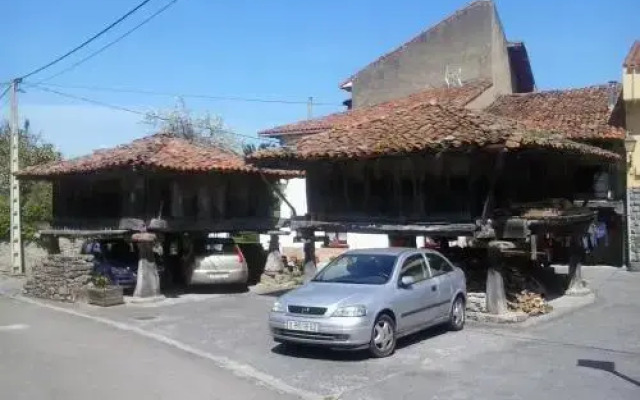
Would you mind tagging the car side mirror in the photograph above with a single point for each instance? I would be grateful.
(407, 281)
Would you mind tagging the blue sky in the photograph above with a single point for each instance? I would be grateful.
(279, 49)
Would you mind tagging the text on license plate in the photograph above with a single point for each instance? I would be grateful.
(302, 326)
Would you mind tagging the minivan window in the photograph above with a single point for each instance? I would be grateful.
(364, 269)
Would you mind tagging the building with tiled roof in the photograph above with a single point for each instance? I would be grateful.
(591, 113)
(160, 182)
(465, 60)
(458, 96)
(427, 128)
(156, 153)
(631, 95)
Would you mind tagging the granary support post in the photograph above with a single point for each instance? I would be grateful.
(496, 296)
(148, 283)
(274, 262)
(577, 286)
(309, 247)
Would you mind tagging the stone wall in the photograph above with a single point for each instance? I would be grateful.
(33, 254)
(60, 277)
(634, 228)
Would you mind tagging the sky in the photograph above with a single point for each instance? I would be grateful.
(275, 50)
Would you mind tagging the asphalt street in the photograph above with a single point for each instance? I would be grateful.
(45, 354)
(591, 353)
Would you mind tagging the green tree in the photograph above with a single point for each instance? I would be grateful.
(36, 197)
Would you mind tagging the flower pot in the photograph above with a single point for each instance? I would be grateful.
(105, 297)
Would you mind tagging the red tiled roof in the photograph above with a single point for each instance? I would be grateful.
(160, 152)
(420, 36)
(459, 96)
(633, 58)
(421, 128)
(578, 113)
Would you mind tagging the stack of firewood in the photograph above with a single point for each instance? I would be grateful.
(530, 303)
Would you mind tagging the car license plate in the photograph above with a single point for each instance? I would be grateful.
(302, 326)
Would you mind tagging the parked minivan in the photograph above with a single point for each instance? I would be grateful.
(218, 261)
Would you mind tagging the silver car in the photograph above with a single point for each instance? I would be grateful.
(218, 261)
(367, 299)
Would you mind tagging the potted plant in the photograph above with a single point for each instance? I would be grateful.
(103, 293)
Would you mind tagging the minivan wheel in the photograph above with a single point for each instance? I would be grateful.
(383, 337)
(458, 314)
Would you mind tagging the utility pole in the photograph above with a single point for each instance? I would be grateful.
(310, 108)
(17, 264)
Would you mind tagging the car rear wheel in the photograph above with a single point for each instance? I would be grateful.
(383, 337)
(458, 314)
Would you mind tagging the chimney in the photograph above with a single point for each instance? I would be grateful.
(614, 93)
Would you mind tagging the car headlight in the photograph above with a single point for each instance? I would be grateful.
(350, 311)
(277, 307)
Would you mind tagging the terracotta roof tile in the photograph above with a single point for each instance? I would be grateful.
(633, 58)
(425, 127)
(455, 95)
(579, 113)
(162, 152)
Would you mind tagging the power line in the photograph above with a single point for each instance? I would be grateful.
(129, 110)
(187, 95)
(5, 91)
(108, 45)
(86, 42)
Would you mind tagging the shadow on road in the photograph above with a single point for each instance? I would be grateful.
(606, 366)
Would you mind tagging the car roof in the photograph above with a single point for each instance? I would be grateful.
(390, 251)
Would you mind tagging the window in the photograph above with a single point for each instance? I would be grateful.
(415, 267)
(364, 269)
(438, 264)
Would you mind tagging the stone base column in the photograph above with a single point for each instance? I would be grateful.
(496, 296)
(274, 264)
(577, 286)
(633, 229)
(309, 268)
(148, 283)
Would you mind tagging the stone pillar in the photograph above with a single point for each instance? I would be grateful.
(274, 264)
(577, 286)
(496, 296)
(148, 284)
(633, 228)
(309, 269)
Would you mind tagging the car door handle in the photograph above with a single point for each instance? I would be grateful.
(433, 288)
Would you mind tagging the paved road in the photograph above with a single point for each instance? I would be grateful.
(45, 354)
(591, 354)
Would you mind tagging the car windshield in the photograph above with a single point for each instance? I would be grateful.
(364, 269)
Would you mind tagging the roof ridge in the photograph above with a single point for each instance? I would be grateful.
(431, 28)
(565, 90)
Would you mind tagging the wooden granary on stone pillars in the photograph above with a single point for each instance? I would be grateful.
(155, 192)
(442, 171)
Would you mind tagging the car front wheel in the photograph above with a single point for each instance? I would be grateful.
(458, 314)
(383, 337)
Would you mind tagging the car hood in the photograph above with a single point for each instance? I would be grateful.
(326, 294)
